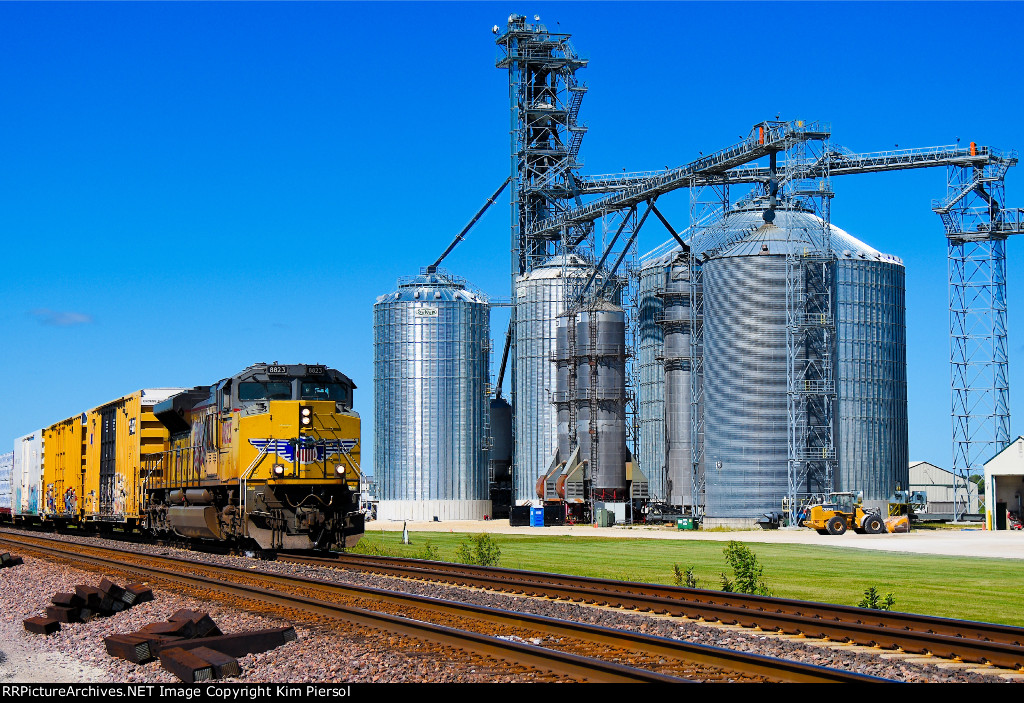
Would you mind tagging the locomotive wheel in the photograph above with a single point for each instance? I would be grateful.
(836, 525)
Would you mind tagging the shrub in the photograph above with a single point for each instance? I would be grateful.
(684, 578)
(369, 548)
(480, 550)
(429, 552)
(873, 600)
(748, 575)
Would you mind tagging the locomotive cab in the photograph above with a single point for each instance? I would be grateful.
(268, 456)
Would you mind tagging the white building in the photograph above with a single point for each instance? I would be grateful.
(937, 483)
(1004, 484)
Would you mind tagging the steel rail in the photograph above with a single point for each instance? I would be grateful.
(543, 659)
(538, 657)
(1000, 645)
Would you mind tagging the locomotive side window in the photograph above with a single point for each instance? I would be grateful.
(274, 390)
(324, 391)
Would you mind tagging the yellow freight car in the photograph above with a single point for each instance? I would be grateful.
(63, 466)
(118, 435)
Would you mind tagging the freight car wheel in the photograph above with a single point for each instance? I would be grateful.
(836, 526)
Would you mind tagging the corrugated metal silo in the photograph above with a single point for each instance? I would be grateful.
(540, 297)
(745, 387)
(431, 366)
(601, 397)
(651, 400)
(562, 397)
(675, 319)
(871, 374)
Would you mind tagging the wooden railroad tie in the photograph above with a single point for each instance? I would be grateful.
(7, 561)
(88, 602)
(191, 646)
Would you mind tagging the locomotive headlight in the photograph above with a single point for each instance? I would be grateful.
(339, 469)
(305, 416)
(279, 469)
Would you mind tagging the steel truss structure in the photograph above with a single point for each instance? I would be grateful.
(976, 229)
(810, 321)
(554, 209)
(544, 103)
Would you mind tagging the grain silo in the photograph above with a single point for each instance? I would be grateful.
(651, 394)
(599, 355)
(871, 373)
(666, 394)
(540, 297)
(431, 366)
(744, 384)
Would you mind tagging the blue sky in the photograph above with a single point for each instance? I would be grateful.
(189, 188)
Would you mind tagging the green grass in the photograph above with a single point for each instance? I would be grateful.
(989, 590)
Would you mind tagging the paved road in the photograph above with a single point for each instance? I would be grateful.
(972, 542)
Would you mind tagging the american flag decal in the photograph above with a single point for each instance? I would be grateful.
(308, 452)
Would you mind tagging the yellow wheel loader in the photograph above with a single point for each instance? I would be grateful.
(841, 512)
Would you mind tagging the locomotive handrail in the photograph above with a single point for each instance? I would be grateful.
(247, 474)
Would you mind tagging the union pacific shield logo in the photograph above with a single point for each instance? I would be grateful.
(307, 452)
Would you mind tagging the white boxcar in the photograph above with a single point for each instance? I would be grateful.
(27, 475)
(6, 468)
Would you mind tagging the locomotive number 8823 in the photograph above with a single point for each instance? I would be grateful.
(269, 456)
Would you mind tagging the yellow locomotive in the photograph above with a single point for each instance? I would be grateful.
(269, 457)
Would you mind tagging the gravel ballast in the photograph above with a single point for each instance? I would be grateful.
(77, 654)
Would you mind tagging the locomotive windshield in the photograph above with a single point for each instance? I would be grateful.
(273, 390)
(324, 391)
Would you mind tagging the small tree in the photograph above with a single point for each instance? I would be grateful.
(748, 575)
(480, 550)
(873, 600)
(682, 578)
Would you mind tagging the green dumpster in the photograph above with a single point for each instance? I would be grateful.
(684, 523)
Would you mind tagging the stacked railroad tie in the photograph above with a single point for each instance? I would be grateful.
(7, 561)
(191, 646)
(87, 603)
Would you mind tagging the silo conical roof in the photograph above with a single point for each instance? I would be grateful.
(749, 233)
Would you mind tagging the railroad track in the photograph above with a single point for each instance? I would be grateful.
(999, 645)
(672, 658)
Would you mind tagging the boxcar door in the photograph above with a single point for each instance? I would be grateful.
(108, 459)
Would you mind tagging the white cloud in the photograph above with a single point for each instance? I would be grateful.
(61, 319)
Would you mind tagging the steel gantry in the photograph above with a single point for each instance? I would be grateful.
(544, 102)
(554, 209)
(976, 226)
